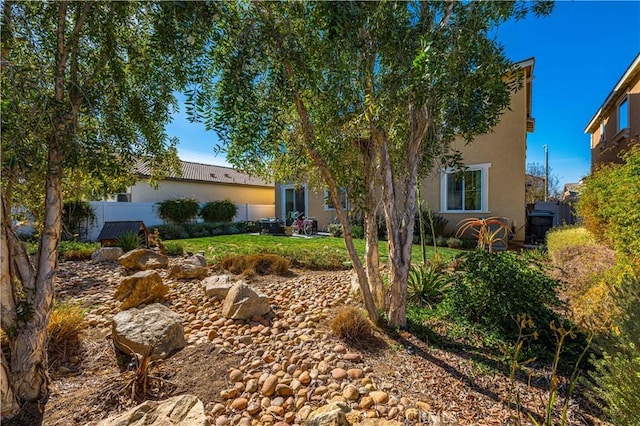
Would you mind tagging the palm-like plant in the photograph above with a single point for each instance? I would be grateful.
(488, 231)
(427, 284)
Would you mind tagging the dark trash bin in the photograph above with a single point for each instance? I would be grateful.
(539, 223)
(272, 226)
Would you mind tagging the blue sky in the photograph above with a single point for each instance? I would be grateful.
(581, 51)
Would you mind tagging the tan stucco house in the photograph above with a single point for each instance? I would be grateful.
(616, 125)
(203, 182)
(493, 184)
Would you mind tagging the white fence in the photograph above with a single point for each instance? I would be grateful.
(109, 211)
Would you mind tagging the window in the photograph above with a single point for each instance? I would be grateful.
(328, 204)
(623, 115)
(602, 131)
(465, 191)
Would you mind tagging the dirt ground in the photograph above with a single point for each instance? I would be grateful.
(465, 385)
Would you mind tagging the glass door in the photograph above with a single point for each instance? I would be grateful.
(295, 200)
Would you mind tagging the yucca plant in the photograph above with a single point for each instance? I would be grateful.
(427, 284)
(488, 231)
(129, 241)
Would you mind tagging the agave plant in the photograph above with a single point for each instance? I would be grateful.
(488, 231)
(427, 284)
(129, 241)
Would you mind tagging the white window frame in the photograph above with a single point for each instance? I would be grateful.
(625, 100)
(484, 188)
(326, 198)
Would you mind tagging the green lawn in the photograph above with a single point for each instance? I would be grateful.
(311, 253)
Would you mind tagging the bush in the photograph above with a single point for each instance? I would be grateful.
(357, 231)
(129, 241)
(617, 374)
(427, 284)
(335, 229)
(219, 211)
(351, 324)
(64, 326)
(498, 287)
(173, 248)
(453, 242)
(567, 237)
(178, 210)
(74, 250)
(437, 222)
(262, 264)
(609, 204)
(170, 231)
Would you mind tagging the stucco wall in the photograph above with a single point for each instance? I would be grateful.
(607, 150)
(505, 150)
(202, 192)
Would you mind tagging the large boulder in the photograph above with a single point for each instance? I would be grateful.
(141, 287)
(217, 286)
(107, 254)
(143, 259)
(154, 329)
(190, 267)
(182, 410)
(242, 302)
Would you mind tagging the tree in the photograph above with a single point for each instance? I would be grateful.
(85, 92)
(536, 184)
(366, 96)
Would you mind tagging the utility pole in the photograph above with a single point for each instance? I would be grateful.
(546, 173)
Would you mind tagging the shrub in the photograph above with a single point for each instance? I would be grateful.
(617, 374)
(454, 242)
(335, 229)
(129, 241)
(64, 326)
(427, 284)
(351, 324)
(432, 224)
(178, 210)
(566, 237)
(357, 231)
(609, 204)
(74, 250)
(498, 287)
(441, 241)
(170, 231)
(262, 264)
(219, 211)
(487, 231)
(174, 248)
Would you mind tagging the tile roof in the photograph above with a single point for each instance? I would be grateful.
(198, 172)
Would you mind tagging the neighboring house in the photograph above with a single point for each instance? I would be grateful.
(493, 184)
(571, 192)
(616, 125)
(534, 188)
(204, 183)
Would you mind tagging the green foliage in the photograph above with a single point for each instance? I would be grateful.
(496, 288)
(609, 205)
(174, 248)
(74, 250)
(433, 224)
(129, 241)
(357, 231)
(178, 210)
(219, 211)
(172, 231)
(335, 229)
(617, 373)
(561, 238)
(427, 284)
(77, 218)
(454, 242)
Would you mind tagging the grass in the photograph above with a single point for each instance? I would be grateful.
(565, 237)
(311, 253)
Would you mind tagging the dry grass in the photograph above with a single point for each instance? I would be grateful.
(65, 325)
(352, 325)
(261, 264)
(80, 254)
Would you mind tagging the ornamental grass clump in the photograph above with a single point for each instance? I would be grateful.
(352, 325)
(261, 264)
